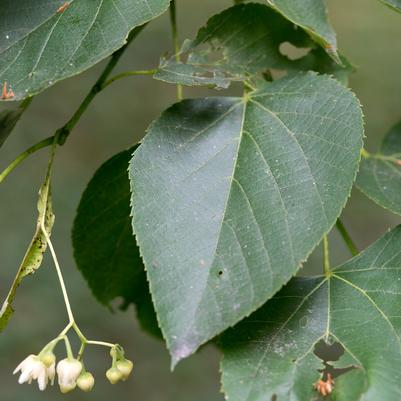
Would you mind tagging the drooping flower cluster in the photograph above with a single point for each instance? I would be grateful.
(70, 371)
(40, 368)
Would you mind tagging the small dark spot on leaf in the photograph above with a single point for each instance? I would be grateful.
(220, 273)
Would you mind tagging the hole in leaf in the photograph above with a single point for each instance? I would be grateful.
(220, 273)
(292, 52)
(328, 352)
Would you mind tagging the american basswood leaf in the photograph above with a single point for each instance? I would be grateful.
(240, 42)
(230, 196)
(43, 44)
(358, 307)
(379, 175)
(104, 246)
(310, 15)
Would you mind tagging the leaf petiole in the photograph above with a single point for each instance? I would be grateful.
(173, 22)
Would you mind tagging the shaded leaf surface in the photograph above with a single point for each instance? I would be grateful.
(240, 42)
(379, 176)
(9, 119)
(311, 15)
(230, 195)
(34, 255)
(45, 46)
(104, 246)
(271, 352)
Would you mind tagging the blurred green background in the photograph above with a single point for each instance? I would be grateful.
(368, 33)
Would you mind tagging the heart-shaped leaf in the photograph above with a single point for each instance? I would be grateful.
(104, 246)
(310, 15)
(270, 355)
(379, 176)
(54, 40)
(239, 42)
(230, 195)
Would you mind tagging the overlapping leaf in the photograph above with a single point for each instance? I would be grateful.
(241, 41)
(380, 174)
(104, 246)
(311, 15)
(34, 254)
(9, 119)
(358, 306)
(43, 44)
(230, 195)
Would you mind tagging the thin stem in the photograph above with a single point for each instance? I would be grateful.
(347, 238)
(79, 333)
(128, 74)
(62, 133)
(395, 158)
(60, 275)
(81, 351)
(70, 355)
(65, 330)
(65, 131)
(326, 257)
(40, 145)
(102, 343)
(176, 44)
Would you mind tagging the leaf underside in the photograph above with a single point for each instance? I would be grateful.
(230, 195)
(240, 42)
(104, 246)
(10, 118)
(310, 15)
(272, 352)
(380, 179)
(41, 45)
(34, 254)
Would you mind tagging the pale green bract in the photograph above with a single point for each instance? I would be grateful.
(41, 45)
(230, 196)
(358, 306)
(379, 175)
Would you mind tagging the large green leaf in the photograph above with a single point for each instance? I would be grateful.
(230, 195)
(380, 174)
(104, 246)
(34, 255)
(311, 15)
(358, 306)
(41, 45)
(241, 41)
